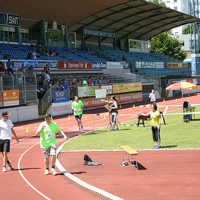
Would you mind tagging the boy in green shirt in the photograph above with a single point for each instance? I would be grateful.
(48, 130)
(77, 107)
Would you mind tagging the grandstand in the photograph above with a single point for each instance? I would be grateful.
(106, 45)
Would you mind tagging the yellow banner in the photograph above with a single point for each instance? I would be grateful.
(127, 87)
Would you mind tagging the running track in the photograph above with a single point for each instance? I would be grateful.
(28, 154)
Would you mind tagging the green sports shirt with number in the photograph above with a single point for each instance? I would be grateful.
(77, 107)
(48, 134)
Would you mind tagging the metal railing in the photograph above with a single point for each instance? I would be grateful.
(26, 84)
(45, 102)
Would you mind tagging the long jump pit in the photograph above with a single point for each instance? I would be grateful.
(169, 174)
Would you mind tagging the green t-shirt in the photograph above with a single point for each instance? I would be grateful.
(155, 118)
(48, 134)
(77, 107)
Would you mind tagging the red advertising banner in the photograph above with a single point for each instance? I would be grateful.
(74, 65)
(122, 98)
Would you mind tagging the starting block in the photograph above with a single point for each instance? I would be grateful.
(129, 156)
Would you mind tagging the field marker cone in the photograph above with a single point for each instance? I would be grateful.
(86, 118)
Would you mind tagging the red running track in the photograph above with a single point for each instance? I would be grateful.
(14, 187)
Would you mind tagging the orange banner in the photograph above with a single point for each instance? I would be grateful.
(74, 65)
(122, 98)
(178, 65)
(10, 97)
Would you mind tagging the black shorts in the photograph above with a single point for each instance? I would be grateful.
(4, 145)
(114, 117)
(155, 133)
(78, 117)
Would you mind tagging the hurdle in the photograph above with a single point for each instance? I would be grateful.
(129, 153)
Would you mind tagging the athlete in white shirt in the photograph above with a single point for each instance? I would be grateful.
(152, 96)
(6, 131)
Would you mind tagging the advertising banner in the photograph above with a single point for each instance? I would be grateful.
(74, 65)
(122, 98)
(127, 87)
(130, 97)
(100, 93)
(99, 66)
(61, 108)
(92, 102)
(108, 88)
(60, 96)
(35, 64)
(10, 97)
(98, 33)
(178, 65)
(89, 91)
(115, 65)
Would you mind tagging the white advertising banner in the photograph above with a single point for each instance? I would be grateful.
(100, 93)
(108, 88)
(61, 108)
(114, 65)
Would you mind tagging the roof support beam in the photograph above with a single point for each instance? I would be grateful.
(126, 17)
(110, 14)
(163, 30)
(143, 19)
(129, 16)
(149, 25)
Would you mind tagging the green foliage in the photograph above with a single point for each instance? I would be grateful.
(186, 30)
(160, 4)
(190, 28)
(167, 45)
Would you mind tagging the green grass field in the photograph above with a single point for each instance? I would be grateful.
(175, 135)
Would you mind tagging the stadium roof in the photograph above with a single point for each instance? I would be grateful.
(135, 19)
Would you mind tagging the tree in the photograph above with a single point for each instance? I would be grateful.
(167, 45)
(157, 2)
(190, 28)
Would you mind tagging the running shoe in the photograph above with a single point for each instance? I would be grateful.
(53, 170)
(4, 169)
(46, 171)
(157, 147)
(10, 165)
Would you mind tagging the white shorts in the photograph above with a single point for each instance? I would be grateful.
(50, 151)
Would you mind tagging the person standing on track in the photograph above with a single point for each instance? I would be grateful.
(77, 107)
(113, 104)
(152, 96)
(48, 130)
(6, 131)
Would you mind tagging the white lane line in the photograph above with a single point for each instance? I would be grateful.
(23, 177)
(83, 183)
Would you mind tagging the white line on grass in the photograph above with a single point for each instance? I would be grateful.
(23, 177)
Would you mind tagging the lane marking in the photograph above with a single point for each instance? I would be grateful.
(23, 177)
(83, 183)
